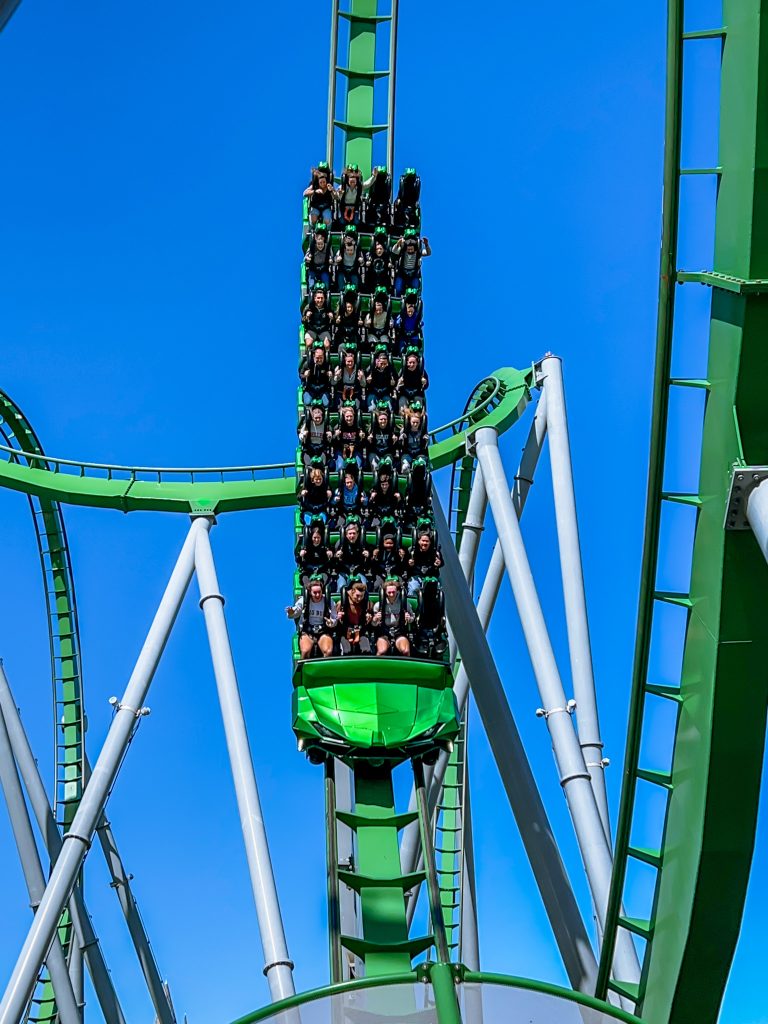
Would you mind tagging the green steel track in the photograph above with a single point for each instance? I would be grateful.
(498, 401)
(66, 671)
(711, 786)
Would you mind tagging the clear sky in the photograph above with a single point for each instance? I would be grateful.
(152, 160)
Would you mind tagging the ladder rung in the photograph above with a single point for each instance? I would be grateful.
(637, 925)
(668, 692)
(625, 988)
(707, 33)
(648, 856)
(663, 779)
(672, 597)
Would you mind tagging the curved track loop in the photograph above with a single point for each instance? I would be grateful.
(498, 400)
(66, 669)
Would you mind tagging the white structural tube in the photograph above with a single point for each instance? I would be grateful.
(279, 966)
(574, 777)
(66, 1001)
(757, 514)
(77, 840)
(41, 809)
(574, 597)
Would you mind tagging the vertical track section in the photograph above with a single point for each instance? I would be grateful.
(710, 787)
(66, 668)
(353, 83)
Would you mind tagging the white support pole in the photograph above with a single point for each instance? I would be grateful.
(46, 823)
(574, 777)
(77, 840)
(34, 878)
(574, 596)
(515, 770)
(757, 514)
(485, 605)
(279, 966)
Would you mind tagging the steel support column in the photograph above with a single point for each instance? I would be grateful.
(572, 770)
(46, 823)
(33, 876)
(515, 771)
(77, 840)
(278, 967)
(757, 514)
(574, 596)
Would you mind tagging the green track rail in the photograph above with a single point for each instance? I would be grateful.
(66, 670)
(711, 788)
(499, 401)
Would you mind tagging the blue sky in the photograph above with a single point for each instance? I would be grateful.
(153, 160)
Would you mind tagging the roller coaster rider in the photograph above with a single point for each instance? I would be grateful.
(378, 320)
(348, 324)
(351, 556)
(319, 258)
(348, 381)
(348, 437)
(430, 638)
(315, 494)
(414, 440)
(314, 557)
(315, 616)
(418, 493)
(391, 618)
(408, 324)
(349, 501)
(379, 269)
(388, 557)
(317, 317)
(380, 381)
(321, 195)
(425, 559)
(349, 260)
(413, 380)
(382, 439)
(316, 375)
(384, 501)
(314, 436)
(351, 194)
(353, 618)
(409, 250)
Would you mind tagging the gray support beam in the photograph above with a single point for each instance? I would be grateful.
(395, 11)
(77, 840)
(574, 596)
(76, 974)
(515, 771)
(279, 966)
(46, 823)
(469, 952)
(34, 878)
(757, 514)
(332, 80)
(345, 801)
(121, 883)
(574, 777)
(7, 7)
(410, 852)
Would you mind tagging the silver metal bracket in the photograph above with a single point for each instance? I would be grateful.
(744, 480)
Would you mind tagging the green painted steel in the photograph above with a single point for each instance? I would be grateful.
(449, 827)
(373, 707)
(66, 673)
(360, 74)
(423, 973)
(501, 400)
(703, 863)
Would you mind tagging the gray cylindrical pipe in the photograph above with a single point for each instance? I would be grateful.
(38, 799)
(757, 514)
(515, 771)
(485, 605)
(574, 596)
(77, 840)
(279, 966)
(573, 773)
(33, 876)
